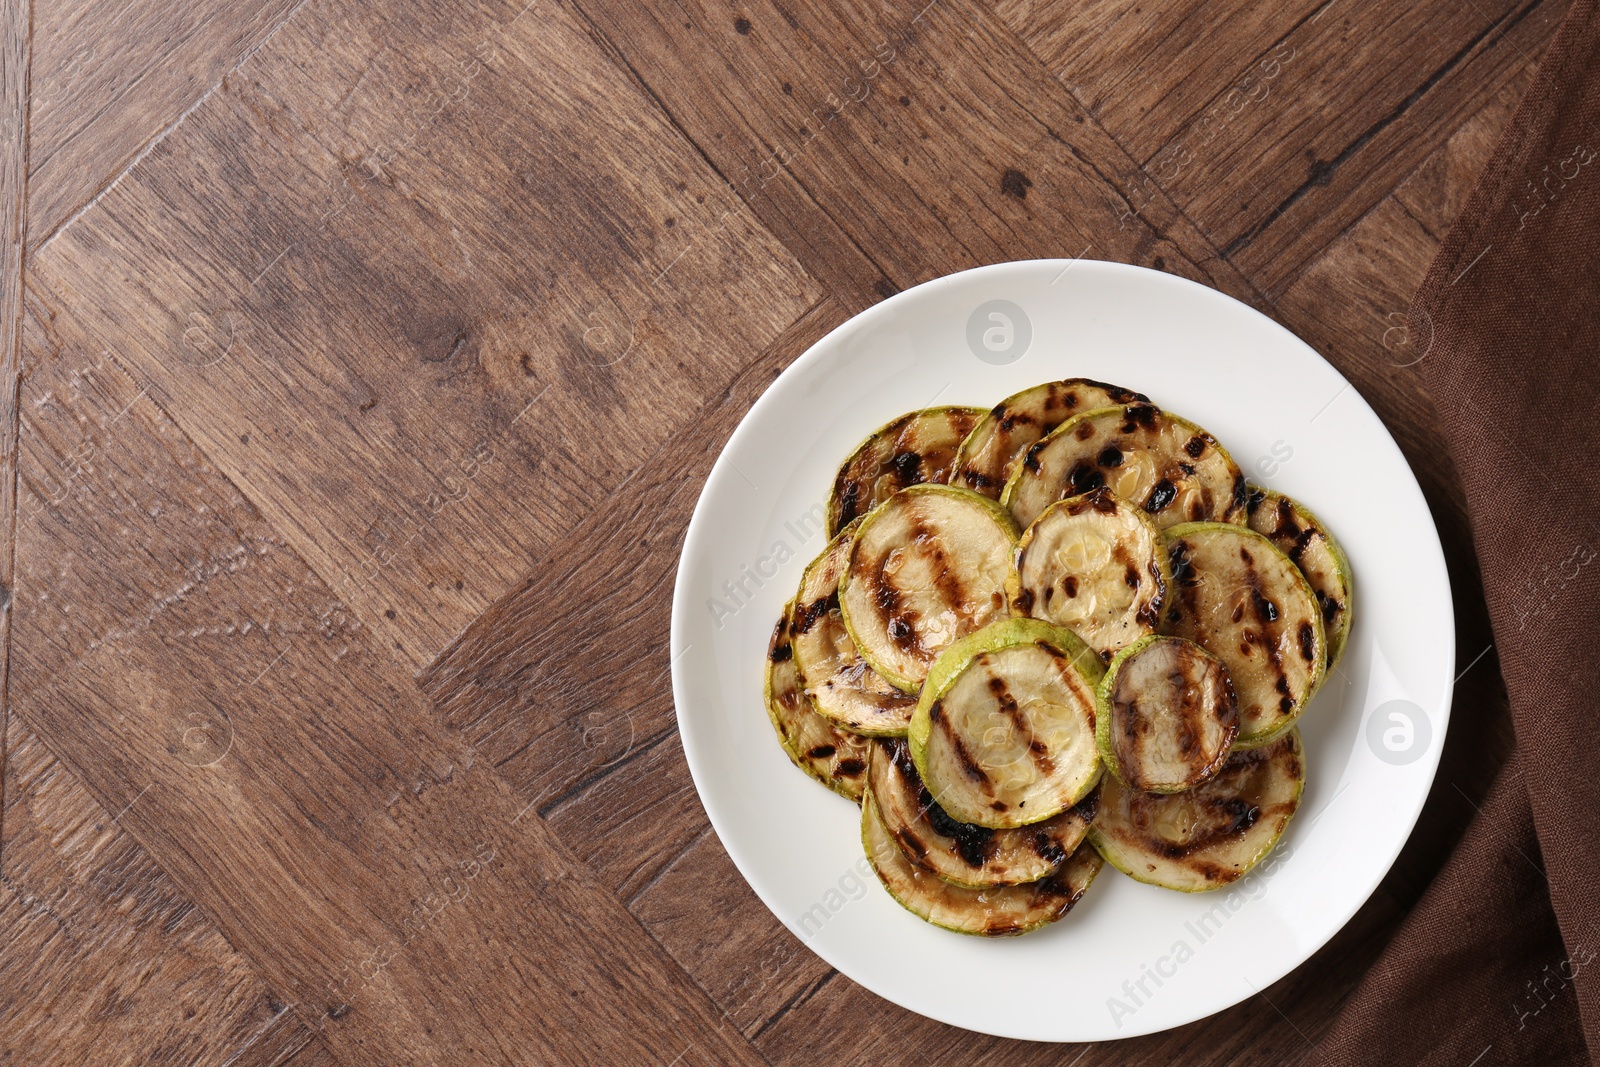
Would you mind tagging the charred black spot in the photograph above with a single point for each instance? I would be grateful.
(1282, 685)
(936, 713)
(1131, 576)
(807, 616)
(1069, 585)
(1299, 547)
(1088, 807)
(1083, 432)
(979, 480)
(1308, 641)
(1163, 494)
(782, 653)
(905, 465)
(1085, 478)
(1196, 446)
(1266, 610)
(741, 26)
(1286, 705)
(1241, 491)
(1025, 601)
(1186, 468)
(1138, 415)
(1111, 456)
(849, 492)
(1031, 460)
(821, 751)
(899, 629)
(1048, 848)
(1099, 500)
(1330, 607)
(1240, 812)
(1117, 393)
(849, 768)
(1182, 567)
(971, 842)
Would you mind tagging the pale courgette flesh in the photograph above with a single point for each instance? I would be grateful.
(1298, 534)
(1095, 564)
(1246, 603)
(996, 911)
(991, 451)
(1164, 464)
(1003, 734)
(1166, 715)
(841, 685)
(961, 853)
(917, 448)
(926, 568)
(1208, 836)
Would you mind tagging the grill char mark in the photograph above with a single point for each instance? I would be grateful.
(1038, 751)
(969, 766)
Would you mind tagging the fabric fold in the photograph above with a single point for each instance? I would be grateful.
(1500, 960)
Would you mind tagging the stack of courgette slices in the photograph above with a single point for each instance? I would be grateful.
(1062, 633)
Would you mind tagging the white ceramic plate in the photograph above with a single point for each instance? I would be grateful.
(1130, 958)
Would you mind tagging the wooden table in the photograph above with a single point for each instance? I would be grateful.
(368, 364)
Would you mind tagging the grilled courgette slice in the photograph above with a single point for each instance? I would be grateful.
(1211, 835)
(927, 567)
(1300, 536)
(1003, 734)
(841, 685)
(996, 911)
(961, 853)
(1095, 564)
(990, 452)
(1167, 465)
(1166, 715)
(918, 447)
(1241, 599)
(836, 758)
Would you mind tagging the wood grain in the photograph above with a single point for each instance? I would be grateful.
(358, 329)
(110, 952)
(1276, 127)
(919, 128)
(114, 76)
(297, 272)
(15, 53)
(209, 687)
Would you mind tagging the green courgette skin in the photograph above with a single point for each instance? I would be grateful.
(1302, 537)
(1218, 831)
(918, 447)
(1208, 730)
(1236, 595)
(991, 451)
(980, 788)
(836, 758)
(996, 911)
(973, 857)
(840, 683)
(982, 555)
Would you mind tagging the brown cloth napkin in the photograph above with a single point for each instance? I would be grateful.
(1500, 960)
